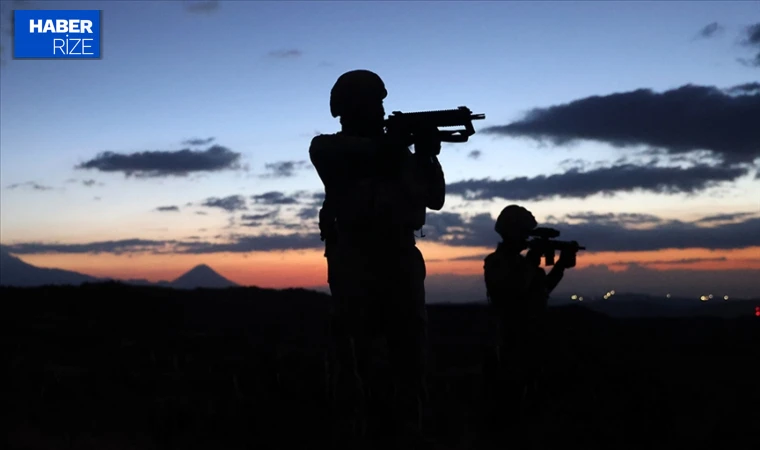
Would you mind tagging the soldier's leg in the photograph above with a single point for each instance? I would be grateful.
(349, 344)
(407, 344)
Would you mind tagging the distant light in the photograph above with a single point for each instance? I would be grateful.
(574, 297)
(612, 292)
(725, 297)
(757, 313)
(710, 296)
(703, 298)
(668, 296)
(580, 299)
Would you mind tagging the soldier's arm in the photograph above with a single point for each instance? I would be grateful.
(554, 277)
(338, 158)
(430, 172)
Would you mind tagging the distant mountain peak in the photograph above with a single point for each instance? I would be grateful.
(202, 276)
(202, 268)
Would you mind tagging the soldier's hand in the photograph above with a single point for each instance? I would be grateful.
(533, 257)
(427, 142)
(567, 259)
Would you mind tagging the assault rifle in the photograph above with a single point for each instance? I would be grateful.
(404, 126)
(543, 242)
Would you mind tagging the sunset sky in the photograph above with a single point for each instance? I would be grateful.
(630, 126)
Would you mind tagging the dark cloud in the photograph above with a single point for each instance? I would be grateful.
(710, 30)
(262, 243)
(441, 223)
(746, 88)
(479, 257)
(284, 54)
(283, 169)
(752, 35)
(235, 244)
(271, 215)
(87, 183)
(165, 163)
(681, 120)
(727, 217)
(264, 216)
(475, 154)
(195, 142)
(119, 247)
(167, 208)
(598, 232)
(621, 218)
(29, 184)
(308, 213)
(275, 198)
(318, 197)
(604, 232)
(667, 262)
(751, 38)
(201, 6)
(230, 203)
(576, 183)
(291, 226)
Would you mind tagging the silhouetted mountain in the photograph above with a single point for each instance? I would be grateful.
(202, 276)
(15, 272)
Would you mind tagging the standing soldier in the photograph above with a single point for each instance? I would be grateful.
(518, 290)
(376, 195)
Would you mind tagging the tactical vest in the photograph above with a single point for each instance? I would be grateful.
(380, 202)
(507, 285)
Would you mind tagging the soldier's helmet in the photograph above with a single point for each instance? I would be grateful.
(514, 220)
(356, 88)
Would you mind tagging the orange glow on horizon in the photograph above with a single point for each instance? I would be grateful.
(308, 268)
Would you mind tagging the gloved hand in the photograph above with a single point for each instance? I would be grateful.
(427, 142)
(566, 259)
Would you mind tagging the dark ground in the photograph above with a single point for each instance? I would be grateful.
(118, 367)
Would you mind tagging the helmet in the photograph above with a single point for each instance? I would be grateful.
(514, 219)
(356, 87)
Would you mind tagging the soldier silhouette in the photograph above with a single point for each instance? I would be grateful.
(376, 195)
(518, 290)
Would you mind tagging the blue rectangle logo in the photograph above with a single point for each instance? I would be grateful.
(56, 34)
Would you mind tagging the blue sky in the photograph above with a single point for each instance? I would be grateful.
(169, 74)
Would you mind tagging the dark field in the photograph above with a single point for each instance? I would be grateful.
(118, 367)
